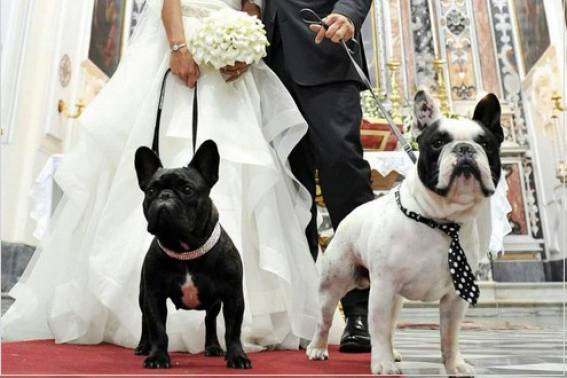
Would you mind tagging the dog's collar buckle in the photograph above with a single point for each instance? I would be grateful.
(196, 253)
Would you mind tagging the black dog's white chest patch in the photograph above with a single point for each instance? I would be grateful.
(190, 293)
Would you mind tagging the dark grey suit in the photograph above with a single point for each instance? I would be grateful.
(323, 64)
(327, 91)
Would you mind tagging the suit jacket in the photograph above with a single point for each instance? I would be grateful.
(310, 64)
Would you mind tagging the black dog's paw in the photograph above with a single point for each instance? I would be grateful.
(238, 360)
(214, 351)
(158, 361)
(142, 350)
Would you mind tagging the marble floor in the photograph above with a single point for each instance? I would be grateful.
(492, 353)
(499, 342)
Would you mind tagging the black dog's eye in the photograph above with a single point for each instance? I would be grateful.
(484, 145)
(151, 191)
(187, 189)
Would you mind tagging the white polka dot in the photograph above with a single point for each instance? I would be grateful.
(462, 280)
(473, 288)
(460, 286)
(458, 258)
(455, 264)
(465, 274)
(452, 271)
(458, 292)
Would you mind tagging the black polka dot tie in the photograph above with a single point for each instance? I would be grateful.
(461, 272)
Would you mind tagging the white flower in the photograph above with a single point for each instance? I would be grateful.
(226, 37)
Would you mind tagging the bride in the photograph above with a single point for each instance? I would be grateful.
(82, 283)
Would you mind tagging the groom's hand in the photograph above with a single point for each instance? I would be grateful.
(340, 28)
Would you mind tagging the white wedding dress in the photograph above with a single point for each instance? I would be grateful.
(82, 283)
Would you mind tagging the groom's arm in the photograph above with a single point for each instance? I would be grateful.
(355, 10)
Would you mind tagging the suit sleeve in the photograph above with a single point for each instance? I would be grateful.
(356, 10)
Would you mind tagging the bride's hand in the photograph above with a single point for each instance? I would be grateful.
(231, 73)
(251, 8)
(183, 65)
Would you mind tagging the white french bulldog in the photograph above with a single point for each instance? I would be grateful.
(403, 256)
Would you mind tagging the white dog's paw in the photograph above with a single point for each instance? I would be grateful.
(313, 353)
(385, 368)
(397, 356)
(459, 367)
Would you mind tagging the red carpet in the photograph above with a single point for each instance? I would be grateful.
(46, 357)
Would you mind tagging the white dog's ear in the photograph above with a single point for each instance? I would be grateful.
(488, 113)
(425, 112)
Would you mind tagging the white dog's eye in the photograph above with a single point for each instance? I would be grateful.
(438, 143)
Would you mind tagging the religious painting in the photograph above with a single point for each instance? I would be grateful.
(533, 30)
(106, 34)
(517, 217)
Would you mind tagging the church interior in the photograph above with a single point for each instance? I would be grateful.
(55, 59)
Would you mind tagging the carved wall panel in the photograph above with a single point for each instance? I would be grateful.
(423, 45)
(457, 39)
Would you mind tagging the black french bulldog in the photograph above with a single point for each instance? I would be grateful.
(191, 260)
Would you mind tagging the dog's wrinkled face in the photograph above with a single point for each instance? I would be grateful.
(176, 200)
(459, 158)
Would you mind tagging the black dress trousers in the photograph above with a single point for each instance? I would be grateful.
(332, 147)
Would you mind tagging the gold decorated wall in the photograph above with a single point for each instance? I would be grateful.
(461, 49)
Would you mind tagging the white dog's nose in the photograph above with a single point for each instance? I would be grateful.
(464, 150)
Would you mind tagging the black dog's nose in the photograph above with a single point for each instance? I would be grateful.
(165, 195)
(464, 150)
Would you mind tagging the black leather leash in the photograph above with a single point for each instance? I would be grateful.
(311, 18)
(155, 143)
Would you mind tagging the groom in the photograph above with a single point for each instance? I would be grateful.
(326, 88)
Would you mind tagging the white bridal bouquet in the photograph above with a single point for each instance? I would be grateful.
(226, 37)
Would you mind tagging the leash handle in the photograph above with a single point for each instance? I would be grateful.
(312, 18)
(195, 122)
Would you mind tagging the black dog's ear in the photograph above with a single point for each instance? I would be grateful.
(206, 161)
(147, 163)
(488, 113)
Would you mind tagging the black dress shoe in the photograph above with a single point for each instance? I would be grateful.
(356, 338)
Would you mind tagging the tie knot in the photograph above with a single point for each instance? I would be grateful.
(450, 228)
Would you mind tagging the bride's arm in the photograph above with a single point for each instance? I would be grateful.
(181, 62)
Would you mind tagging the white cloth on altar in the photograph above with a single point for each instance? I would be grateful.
(42, 195)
